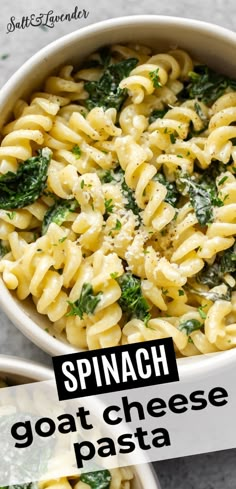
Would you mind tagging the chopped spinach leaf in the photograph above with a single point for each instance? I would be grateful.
(198, 109)
(213, 275)
(118, 176)
(106, 176)
(199, 198)
(157, 114)
(132, 301)
(189, 326)
(209, 185)
(213, 171)
(26, 185)
(207, 85)
(27, 485)
(97, 480)
(58, 213)
(209, 275)
(105, 56)
(227, 262)
(193, 132)
(172, 196)
(87, 302)
(106, 92)
(203, 196)
(130, 203)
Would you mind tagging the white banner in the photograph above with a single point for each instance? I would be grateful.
(42, 438)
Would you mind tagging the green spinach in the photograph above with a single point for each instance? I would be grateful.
(207, 85)
(210, 275)
(87, 302)
(203, 196)
(97, 480)
(118, 176)
(213, 275)
(227, 262)
(132, 301)
(189, 326)
(157, 114)
(58, 213)
(172, 196)
(26, 185)
(106, 92)
(130, 203)
(213, 171)
(198, 109)
(192, 132)
(106, 176)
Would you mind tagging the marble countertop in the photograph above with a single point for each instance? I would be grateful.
(209, 471)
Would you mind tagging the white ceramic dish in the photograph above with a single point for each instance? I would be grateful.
(18, 371)
(209, 43)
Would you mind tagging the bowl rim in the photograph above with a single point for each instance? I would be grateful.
(129, 20)
(15, 313)
(10, 364)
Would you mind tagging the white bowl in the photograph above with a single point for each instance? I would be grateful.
(19, 371)
(15, 370)
(209, 43)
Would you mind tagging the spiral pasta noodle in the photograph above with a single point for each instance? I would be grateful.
(128, 232)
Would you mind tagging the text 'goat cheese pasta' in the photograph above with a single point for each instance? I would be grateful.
(118, 201)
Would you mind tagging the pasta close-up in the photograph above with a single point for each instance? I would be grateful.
(120, 478)
(118, 202)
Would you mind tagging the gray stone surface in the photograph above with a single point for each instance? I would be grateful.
(211, 471)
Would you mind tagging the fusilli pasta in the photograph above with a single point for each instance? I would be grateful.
(131, 233)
